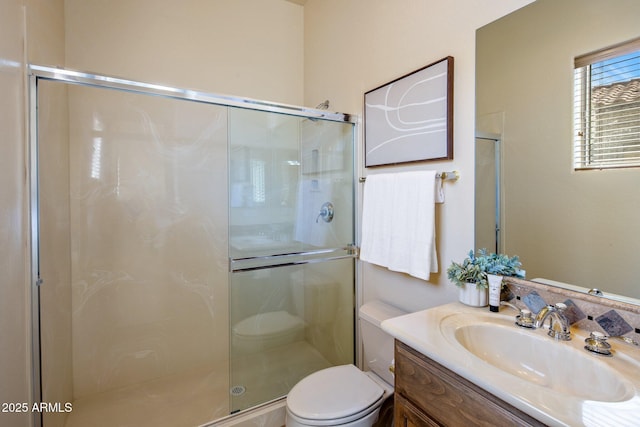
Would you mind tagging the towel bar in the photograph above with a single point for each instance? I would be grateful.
(445, 176)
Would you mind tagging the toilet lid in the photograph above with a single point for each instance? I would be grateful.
(270, 323)
(332, 393)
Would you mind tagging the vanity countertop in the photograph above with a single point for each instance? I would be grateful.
(424, 331)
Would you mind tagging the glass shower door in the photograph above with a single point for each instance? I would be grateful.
(132, 253)
(291, 204)
(487, 202)
(190, 258)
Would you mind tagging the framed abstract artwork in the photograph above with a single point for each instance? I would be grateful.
(411, 118)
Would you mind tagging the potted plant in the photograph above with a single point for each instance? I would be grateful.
(471, 276)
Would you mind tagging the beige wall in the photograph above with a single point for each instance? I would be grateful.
(249, 48)
(43, 37)
(354, 46)
(574, 227)
(45, 44)
(45, 31)
(14, 360)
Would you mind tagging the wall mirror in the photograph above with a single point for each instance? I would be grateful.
(574, 227)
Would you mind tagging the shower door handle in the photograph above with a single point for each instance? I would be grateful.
(293, 258)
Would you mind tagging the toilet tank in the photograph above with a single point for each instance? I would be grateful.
(378, 345)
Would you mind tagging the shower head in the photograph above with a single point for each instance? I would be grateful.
(323, 106)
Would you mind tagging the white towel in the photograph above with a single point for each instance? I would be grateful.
(398, 222)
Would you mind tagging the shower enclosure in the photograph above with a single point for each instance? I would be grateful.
(192, 254)
(488, 208)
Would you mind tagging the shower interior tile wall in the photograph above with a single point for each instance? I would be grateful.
(144, 233)
(133, 245)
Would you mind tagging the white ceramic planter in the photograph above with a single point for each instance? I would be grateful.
(470, 294)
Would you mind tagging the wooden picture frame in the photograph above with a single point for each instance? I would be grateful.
(410, 119)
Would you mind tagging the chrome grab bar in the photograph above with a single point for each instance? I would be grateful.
(291, 258)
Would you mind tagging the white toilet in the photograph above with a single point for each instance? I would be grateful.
(345, 395)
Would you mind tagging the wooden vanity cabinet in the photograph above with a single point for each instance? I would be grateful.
(428, 394)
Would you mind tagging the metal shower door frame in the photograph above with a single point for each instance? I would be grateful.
(35, 73)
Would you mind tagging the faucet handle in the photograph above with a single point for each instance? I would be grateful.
(561, 306)
(524, 319)
(597, 343)
(326, 212)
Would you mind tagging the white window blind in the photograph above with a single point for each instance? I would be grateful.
(607, 108)
(258, 181)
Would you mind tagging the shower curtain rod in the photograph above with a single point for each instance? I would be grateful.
(96, 80)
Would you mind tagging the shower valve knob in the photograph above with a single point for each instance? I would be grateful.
(326, 212)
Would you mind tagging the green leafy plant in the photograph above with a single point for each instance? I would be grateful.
(476, 266)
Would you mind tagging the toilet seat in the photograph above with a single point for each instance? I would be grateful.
(334, 396)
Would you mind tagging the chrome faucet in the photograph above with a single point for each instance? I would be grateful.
(558, 322)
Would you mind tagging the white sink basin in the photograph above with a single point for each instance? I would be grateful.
(556, 382)
(538, 359)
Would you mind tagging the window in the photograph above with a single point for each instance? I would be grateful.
(607, 108)
(258, 181)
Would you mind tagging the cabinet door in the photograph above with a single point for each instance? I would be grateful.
(407, 415)
(447, 397)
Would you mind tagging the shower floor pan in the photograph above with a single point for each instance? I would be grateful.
(198, 397)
